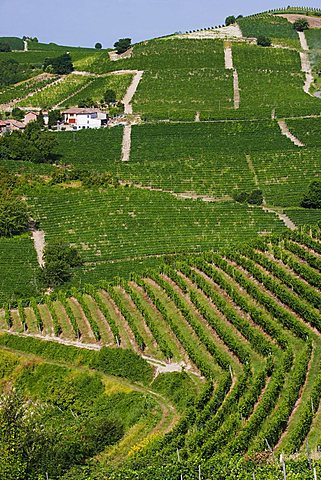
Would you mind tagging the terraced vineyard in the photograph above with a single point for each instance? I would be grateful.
(248, 321)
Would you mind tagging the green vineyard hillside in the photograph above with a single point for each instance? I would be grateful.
(246, 321)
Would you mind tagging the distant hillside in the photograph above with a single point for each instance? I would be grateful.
(14, 42)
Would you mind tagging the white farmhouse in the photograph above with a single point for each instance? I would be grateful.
(79, 118)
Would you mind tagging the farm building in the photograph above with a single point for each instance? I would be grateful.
(9, 125)
(30, 117)
(79, 118)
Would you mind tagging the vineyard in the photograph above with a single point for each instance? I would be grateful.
(275, 27)
(246, 320)
(163, 290)
(123, 223)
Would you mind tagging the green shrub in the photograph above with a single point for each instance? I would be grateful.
(264, 41)
(301, 24)
(312, 199)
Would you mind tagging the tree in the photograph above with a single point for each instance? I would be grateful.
(33, 145)
(301, 24)
(54, 116)
(230, 20)
(55, 273)
(86, 103)
(122, 45)
(59, 259)
(14, 217)
(110, 96)
(264, 41)
(61, 65)
(255, 198)
(312, 199)
(98, 46)
(5, 47)
(17, 113)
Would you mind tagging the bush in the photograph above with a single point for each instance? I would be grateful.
(122, 45)
(61, 65)
(5, 47)
(264, 41)
(301, 24)
(255, 197)
(59, 258)
(230, 20)
(312, 199)
(14, 217)
(241, 197)
(98, 46)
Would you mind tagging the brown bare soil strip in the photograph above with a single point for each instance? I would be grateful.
(236, 307)
(87, 335)
(64, 321)
(16, 322)
(104, 328)
(170, 306)
(127, 337)
(297, 403)
(151, 345)
(46, 319)
(221, 292)
(314, 22)
(31, 321)
(171, 338)
(210, 330)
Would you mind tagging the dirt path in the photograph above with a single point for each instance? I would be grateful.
(305, 63)
(128, 108)
(283, 217)
(114, 57)
(232, 32)
(292, 17)
(228, 57)
(236, 90)
(39, 243)
(285, 131)
(252, 169)
(126, 145)
(303, 41)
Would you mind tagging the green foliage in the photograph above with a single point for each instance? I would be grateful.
(118, 362)
(230, 20)
(59, 259)
(15, 43)
(109, 96)
(33, 145)
(122, 45)
(61, 65)
(178, 387)
(5, 47)
(10, 71)
(14, 217)
(312, 199)
(264, 41)
(277, 28)
(301, 24)
(98, 46)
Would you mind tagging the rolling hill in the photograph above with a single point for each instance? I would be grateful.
(193, 321)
